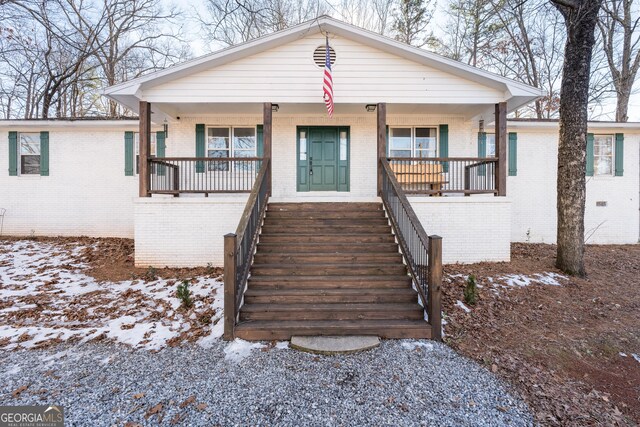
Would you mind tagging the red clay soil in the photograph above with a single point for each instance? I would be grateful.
(567, 349)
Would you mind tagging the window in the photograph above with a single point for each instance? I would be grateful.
(413, 142)
(29, 152)
(244, 144)
(603, 154)
(136, 144)
(490, 145)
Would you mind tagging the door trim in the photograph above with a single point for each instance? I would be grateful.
(343, 180)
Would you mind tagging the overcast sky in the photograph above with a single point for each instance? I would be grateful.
(201, 46)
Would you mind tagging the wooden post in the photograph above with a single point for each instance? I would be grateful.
(501, 148)
(435, 283)
(144, 150)
(229, 286)
(266, 138)
(381, 109)
(176, 181)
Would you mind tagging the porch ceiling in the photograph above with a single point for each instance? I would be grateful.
(174, 110)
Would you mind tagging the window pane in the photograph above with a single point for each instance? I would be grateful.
(30, 165)
(218, 138)
(343, 145)
(217, 153)
(30, 144)
(603, 165)
(400, 138)
(426, 140)
(136, 143)
(303, 145)
(244, 153)
(400, 153)
(244, 139)
(491, 145)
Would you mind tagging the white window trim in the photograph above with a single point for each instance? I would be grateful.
(19, 156)
(413, 138)
(231, 148)
(613, 156)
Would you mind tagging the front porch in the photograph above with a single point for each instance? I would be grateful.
(326, 248)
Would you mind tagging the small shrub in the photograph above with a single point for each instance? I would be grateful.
(151, 274)
(210, 269)
(471, 290)
(184, 294)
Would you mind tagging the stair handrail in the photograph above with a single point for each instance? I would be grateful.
(239, 249)
(421, 252)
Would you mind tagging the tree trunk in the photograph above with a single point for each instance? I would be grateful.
(580, 19)
(622, 106)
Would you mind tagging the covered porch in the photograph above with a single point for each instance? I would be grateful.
(319, 155)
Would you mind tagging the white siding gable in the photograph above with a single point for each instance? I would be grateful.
(287, 74)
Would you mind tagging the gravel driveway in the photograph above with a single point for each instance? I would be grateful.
(399, 383)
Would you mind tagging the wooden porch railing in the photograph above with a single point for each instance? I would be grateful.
(240, 247)
(422, 253)
(438, 175)
(176, 175)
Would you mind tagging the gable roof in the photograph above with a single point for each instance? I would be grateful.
(518, 93)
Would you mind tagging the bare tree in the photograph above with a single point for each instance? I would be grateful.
(411, 20)
(580, 18)
(475, 30)
(618, 26)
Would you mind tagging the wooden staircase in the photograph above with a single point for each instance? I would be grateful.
(329, 269)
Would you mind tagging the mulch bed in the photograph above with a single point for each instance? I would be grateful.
(559, 346)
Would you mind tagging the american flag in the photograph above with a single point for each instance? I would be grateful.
(327, 81)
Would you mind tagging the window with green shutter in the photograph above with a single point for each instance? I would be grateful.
(444, 146)
(482, 151)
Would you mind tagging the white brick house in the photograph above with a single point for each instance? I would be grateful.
(82, 177)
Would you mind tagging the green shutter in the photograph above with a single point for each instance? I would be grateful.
(513, 154)
(619, 154)
(13, 153)
(444, 146)
(200, 147)
(260, 141)
(160, 150)
(482, 151)
(128, 153)
(44, 153)
(589, 154)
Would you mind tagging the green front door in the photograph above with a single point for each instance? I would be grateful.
(323, 158)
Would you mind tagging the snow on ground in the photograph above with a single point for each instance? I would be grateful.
(45, 296)
(239, 350)
(516, 280)
(463, 306)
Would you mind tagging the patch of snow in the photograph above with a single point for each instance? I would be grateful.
(413, 344)
(521, 280)
(239, 350)
(635, 356)
(282, 345)
(143, 315)
(623, 354)
(463, 306)
(16, 369)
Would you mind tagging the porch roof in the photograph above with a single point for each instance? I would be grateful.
(514, 93)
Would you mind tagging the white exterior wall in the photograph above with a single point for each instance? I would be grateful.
(473, 229)
(185, 231)
(86, 192)
(533, 191)
(288, 74)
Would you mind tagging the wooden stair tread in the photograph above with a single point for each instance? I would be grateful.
(313, 278)
(285, 329)
(330, 291)
(332, 307)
